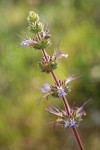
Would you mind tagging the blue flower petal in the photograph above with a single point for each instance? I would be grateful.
(46, 88)
(24, 44)
(61, 93)
(71, 124)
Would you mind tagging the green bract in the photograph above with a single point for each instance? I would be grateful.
(36, 27)
(54, 92)
(47, 67)
(33, 17)
(42, 44)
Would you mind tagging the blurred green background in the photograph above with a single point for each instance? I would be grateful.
(23, 122)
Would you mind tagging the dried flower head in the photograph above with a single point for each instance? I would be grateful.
(52, 63)
(71, 120)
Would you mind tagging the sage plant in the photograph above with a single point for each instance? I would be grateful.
(69, 117)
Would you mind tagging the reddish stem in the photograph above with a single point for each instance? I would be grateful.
(45, 54)
(78, 138)
(67, 107)
(55, 78)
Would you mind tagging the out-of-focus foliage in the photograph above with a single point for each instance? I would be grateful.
(23, 122)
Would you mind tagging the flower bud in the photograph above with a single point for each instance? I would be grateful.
(44, 67)
(42, 44)
(47, 67)
(36, 27)
(32, 17)
(67, 89)
(53, 65)
(54, 92)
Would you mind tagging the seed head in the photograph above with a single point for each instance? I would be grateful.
(68, 121)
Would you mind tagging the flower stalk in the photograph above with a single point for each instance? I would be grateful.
(66, 105)
(71, 117)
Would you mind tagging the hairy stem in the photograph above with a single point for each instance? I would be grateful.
(67, 107)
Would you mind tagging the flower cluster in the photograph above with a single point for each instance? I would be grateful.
(57, 91)
(68, 121)
(42, 36)
(35, 25)
(51, 64)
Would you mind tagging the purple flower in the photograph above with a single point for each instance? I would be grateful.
(80, 111)
(70, 124)
(58, 55)
(46, 88)
(73, 77)
(24, 44)
(61, 93)
(27, 42)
